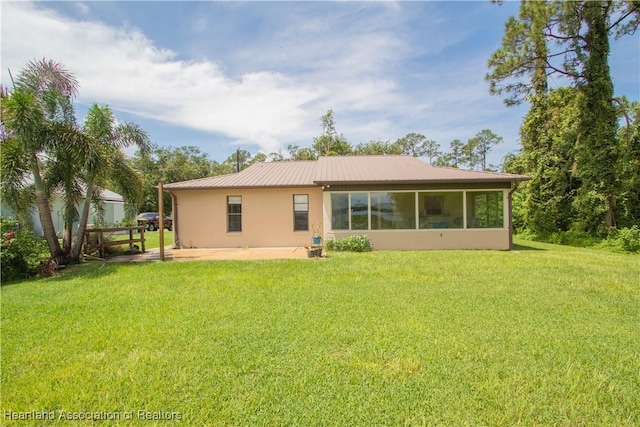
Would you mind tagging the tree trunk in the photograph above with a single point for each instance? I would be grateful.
(44, 212)
(74, 256)
(609, 219)
(599, 154)
(67, 235)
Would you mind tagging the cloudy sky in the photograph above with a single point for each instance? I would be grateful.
(259, 75)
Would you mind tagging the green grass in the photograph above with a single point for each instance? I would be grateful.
(151, 240)
(546, 335)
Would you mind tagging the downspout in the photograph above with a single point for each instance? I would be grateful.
(513, 189)
(174, 214)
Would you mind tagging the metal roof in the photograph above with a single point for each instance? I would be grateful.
(342, 170)
(264, 174)
(396, 169)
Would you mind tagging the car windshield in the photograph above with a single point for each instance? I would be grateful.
(147, 215)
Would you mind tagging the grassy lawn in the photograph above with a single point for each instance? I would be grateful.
(547, 335)
(151, 240)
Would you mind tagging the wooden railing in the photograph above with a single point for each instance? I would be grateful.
(99, 243)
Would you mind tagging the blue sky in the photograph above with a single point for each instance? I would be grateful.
(259, 75)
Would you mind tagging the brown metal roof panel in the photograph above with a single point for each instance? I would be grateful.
(286, 173)
(396, 169)
(345, 169)
(272, 174)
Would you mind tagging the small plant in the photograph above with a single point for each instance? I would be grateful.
(357, 243)
(22, 251)
(313, 251)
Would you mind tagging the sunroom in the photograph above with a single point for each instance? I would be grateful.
(421, 219)
(418, 210)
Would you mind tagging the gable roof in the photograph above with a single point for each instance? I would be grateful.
(342, 170)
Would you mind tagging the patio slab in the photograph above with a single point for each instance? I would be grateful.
(214, 254)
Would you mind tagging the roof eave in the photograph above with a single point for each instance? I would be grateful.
(240, 187)
(426, 181)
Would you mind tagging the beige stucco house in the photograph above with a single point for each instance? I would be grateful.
(400, 202)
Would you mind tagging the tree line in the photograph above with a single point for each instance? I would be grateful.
(170, 164)
(580, 142)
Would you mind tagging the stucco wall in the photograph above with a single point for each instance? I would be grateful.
(267, 217)
(267, 220)
(432, 239)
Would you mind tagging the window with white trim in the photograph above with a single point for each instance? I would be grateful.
(300, 212)
(234, 213)
(485, 209)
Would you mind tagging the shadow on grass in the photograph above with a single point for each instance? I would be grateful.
(91, 269)
(521, 247)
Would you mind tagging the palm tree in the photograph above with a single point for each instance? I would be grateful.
(104, 164)
(39, 137)
(36, 116)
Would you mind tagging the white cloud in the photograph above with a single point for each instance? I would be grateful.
(353, 58)
(123, 68)
(82, 8)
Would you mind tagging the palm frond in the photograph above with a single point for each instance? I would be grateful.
(23, 117)
(43, 75)
(99, 124)
(97, 205)
(130, 134)
(125, 179)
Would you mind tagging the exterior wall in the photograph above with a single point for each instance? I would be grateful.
(114, 212)
(267, 217)
(200, 221)
(432, 239)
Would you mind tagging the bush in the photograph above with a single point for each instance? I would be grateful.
(624, 239)
(357, 243)
(629, 239)
(578, 239)
(22, 251)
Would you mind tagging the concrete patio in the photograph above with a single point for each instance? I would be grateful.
(171, 254)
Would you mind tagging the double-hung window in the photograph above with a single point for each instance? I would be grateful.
(300, 212)
(234, 213)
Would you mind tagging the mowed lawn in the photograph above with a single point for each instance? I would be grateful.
(151, 239)
(546, 335)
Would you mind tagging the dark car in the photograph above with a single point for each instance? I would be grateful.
(151, 220)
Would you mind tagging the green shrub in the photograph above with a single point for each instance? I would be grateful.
(574, 238)
(21, 253)
(625, 239)
(357, 243)
(629, 239)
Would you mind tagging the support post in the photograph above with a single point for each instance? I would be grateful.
(161, 219)
(510, 213)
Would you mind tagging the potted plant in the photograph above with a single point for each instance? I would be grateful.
(314, 251)
(317, 238)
